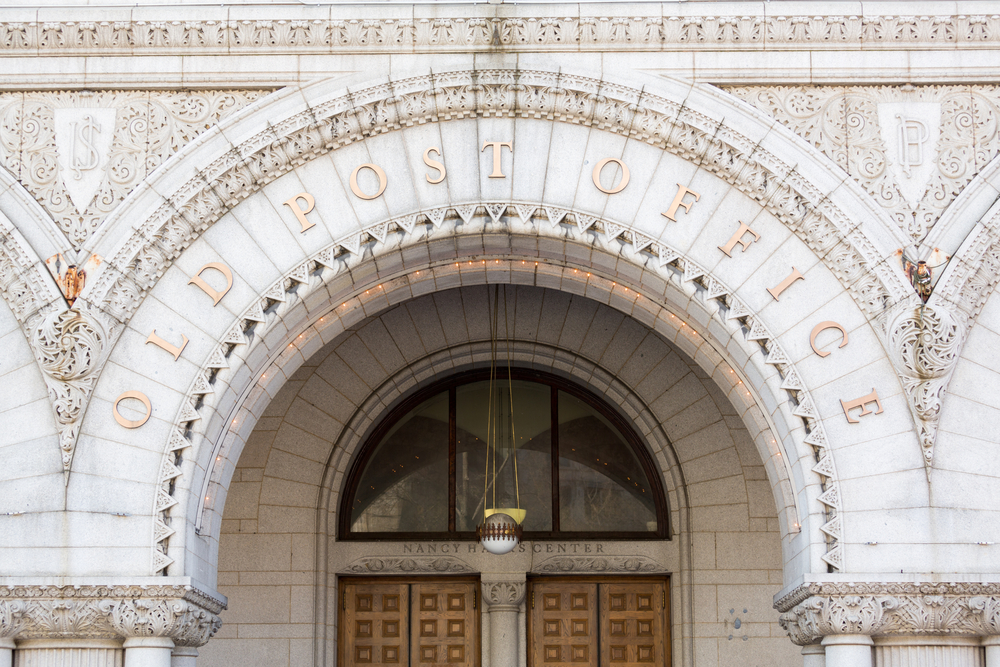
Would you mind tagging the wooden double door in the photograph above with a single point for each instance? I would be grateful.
(409, 623)
(598, 622)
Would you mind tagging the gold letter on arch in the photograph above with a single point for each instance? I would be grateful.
(128, 423)
(823, 326)
(597, 176)
(382, 181)
(208, 289)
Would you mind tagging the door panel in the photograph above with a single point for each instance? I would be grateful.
(564, 624)
(375, 624)
(444, 625)
(600, 623)
(632, 624)
(428, 623)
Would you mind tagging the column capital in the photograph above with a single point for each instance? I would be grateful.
(815, 612)
(180, 613)
(504, 594)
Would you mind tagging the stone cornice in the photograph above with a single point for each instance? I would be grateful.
(414, 29)
(813, 611)
(182, 613)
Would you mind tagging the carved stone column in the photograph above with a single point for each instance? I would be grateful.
(503, 599)
(813, 655)
(848, 650)
(992, 645)
(62, 652)
(148, 651)
(6, 652)
(928, 652)
(183, 656)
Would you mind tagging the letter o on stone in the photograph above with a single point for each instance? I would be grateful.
(128, 423)
(382, 181)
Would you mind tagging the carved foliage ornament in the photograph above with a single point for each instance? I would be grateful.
(180, 613)
(637, 564)
(391, 564)
(890, 609)
(503, 594)
(925, 343)
(69, 348)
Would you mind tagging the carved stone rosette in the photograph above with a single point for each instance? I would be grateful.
(814, 611)
(183, 614)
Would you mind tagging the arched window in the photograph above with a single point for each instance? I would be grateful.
(583, 472)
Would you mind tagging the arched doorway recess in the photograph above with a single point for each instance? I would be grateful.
(304, 269)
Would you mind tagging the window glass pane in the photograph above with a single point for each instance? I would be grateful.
(532, 430)
(404, 487)
(602, 486)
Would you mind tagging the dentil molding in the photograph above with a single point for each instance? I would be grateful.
(182, 613)
(814, 611)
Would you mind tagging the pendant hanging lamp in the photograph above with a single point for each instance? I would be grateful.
(500, 531)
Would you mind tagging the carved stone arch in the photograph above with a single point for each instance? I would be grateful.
(217, 439)
(621, 254)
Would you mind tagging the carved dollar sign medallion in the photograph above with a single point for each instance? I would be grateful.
(83, 141)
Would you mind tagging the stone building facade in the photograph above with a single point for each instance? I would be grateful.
(763, 239)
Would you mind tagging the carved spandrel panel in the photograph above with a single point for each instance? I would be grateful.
(912, 149)
(375, 624)
(563, 623)
(445, 625)
(80, 154)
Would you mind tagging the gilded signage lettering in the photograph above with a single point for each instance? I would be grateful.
(216, 295)
(678, 201)
(382, 181)
(597, 176)
(172, 349)
(786, 283)
(738, 238)
(863, 404)
(300, 213)
(129, 423)
(497, 145)
(434, 164)
(823, 326)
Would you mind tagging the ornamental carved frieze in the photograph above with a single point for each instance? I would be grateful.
(913, 149)
(80, 153)
(187, 616)
(408, 564)
(288, 33)
(599, 565)
(881, 609)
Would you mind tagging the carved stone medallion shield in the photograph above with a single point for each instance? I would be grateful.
(910, 131)
(83, 142)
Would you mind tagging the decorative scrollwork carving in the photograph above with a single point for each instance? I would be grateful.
(389, 565)
(818, 610)
(69, 347)
(186, 615)
(925, 343)
(638, 564)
